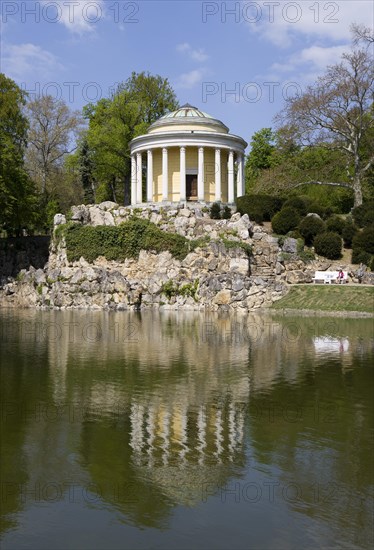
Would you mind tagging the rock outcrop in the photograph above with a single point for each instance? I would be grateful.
(219, 275)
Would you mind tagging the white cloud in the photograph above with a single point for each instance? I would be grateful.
(24, 61)
(79, 17)
(189, 80)
(197, 55)
(281, 24)
(315, 58)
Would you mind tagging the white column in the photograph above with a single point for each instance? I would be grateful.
(149, 176)
(133, 179)
(200, 175)
(182, 173)
(165, 174)
(218, 174)
(139, 172)
(231, 177)
(240, 179)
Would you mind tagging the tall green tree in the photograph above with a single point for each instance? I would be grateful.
(260, 156)
(114, 122)
(17, 192)
(337, 113)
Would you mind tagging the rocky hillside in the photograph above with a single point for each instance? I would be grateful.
(200, 263)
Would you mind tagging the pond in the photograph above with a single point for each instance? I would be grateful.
(185, 430)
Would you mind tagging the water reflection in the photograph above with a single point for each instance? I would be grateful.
(139, 413)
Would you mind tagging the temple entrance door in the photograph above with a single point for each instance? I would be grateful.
(191, 187)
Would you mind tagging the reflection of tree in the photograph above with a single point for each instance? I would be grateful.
(21, 389)
(316, 433)
(149, 420)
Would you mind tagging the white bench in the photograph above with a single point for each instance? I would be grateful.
(328, 277)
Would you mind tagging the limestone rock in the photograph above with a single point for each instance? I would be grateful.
(108, 205)
(59, 219)
(222, 297)
(290, 245)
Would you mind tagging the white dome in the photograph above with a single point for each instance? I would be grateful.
(188, 114)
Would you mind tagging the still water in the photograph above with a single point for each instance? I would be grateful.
(180, 431)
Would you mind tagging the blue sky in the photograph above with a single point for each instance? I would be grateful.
(235, 60)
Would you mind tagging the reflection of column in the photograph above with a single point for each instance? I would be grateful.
(149, 176)
(133, 179)
(165, 434)
(218, 434)
(240, 427)
(182, 173)
(150, 429)
(200, 175)
(240, 180)
(231, 177)
(165, 174)
(218, 175)
(201, 433)
(139, 177)
(232, 439)
(136, 420)
(183, 441)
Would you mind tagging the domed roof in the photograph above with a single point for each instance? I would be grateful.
(188, 114)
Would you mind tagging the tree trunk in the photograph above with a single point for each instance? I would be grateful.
(357, 190)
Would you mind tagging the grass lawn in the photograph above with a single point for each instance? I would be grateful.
(328, 298)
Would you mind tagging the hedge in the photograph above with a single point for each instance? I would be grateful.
(259, 207)
(329, 245)
(122, 241)
(286, 220)
(309, 227)
(364, 215)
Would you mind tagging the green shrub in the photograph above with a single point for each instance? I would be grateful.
(361, 257)
(215, 211)
(349, 231)
(335, 199)
(364, 240)
(309, 227)
(226, 214)
(336, 224)
(259, 207)
(299, 204)
(364, 215)
(329, 245)
(286, 220)
(295, 234)
(323, 211)
(123, 241)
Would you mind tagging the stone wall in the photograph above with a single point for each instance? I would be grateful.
(214, 277)
(217, 276)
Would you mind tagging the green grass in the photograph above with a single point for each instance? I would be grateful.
(328, 298)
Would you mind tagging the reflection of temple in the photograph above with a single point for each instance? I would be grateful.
(184, 404)
(172, 435)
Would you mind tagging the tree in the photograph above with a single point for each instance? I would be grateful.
(52, 135)
(260, 156)
(114, 122)
(17, 193)
(337, 113)
(361, 34)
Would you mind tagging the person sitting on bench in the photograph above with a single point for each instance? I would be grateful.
(340, 278)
